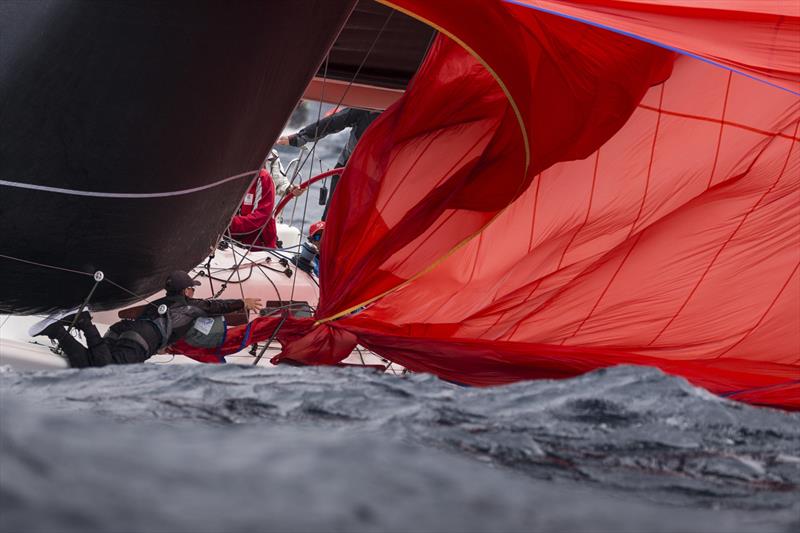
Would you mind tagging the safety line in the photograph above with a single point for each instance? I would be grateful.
(650, 162)
(134, 195)
(54, 267)
(43, 265)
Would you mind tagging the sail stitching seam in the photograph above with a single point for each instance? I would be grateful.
(763, 316)
(721, 129)
(717, 121)
(729, 239)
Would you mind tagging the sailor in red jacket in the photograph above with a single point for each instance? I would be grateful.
(256, 213)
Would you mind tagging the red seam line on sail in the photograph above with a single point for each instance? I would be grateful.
(721, 128)
(763, 316)
(477, 255)
(588, 210)
(402, 180)
(608, 286)
(717, 121)
(641, 206)
(502, 314)
(564, 254)
(533, 217)
(650, 163)
(730, 237)
(442, 222)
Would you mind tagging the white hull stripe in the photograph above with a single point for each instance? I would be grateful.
(97, 194)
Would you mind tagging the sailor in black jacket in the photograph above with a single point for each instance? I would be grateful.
(135, 341)
(349, 117)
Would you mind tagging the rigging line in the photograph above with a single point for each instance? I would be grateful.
(117, 285)
(241, 287)
(250, 273)
(238, 275)
(274, 286)
(46, 265)
(302, 229)
(97, 194)
(311, 153)
(349, 83)
(319, 115)
(210, 282)
(310, 174)
(271, 251)
(272, 338)
(53, 267)
(248, 248)
(294, 207)
(264, 264)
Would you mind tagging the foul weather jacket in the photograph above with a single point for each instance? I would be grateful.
(183, 311)
(256, 213)
(358, 119)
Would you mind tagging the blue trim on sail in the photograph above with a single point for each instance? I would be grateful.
(650, 41)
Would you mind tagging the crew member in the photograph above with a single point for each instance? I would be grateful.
(135, 341)
(357, 119)
(307, 259)
(254, 224)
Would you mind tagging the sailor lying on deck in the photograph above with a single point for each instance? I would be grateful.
(134, 341)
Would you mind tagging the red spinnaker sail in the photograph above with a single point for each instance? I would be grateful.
(571, 185)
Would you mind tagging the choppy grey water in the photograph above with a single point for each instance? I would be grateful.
(232, 448)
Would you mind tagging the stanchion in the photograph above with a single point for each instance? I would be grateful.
(272, 338)
(98, 277)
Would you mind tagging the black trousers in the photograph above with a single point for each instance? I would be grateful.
(100, 351)
(334, 182)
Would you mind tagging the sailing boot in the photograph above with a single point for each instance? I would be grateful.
(99, 349)
(77, 355)
(55, 318)
(83, 320)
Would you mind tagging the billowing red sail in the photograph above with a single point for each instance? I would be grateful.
(555, 194)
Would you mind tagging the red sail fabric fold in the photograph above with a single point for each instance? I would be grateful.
(465, 141)
(669, 239)
(551, 197)
(301, 342)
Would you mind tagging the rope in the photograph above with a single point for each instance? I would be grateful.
(139, 296)
(132, 195)
(63, 269)
(46, 266)
(312, 151)
(350, 83)
(274, 334)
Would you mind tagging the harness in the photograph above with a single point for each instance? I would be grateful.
(128, 335)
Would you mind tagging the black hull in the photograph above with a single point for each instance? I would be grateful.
(137, 97)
